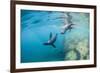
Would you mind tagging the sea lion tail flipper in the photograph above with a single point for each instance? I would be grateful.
(53, 45)
(45, 43)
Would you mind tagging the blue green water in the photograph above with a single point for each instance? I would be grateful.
(35, 30)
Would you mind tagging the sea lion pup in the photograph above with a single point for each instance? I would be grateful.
(66, 28)
(51, 40)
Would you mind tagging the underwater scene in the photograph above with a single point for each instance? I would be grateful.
(54, 36)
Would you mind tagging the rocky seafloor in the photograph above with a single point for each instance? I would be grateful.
(76, 42)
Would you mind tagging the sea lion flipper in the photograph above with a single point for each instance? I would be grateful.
(50, 35)
(53, 45)
(45, 43)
